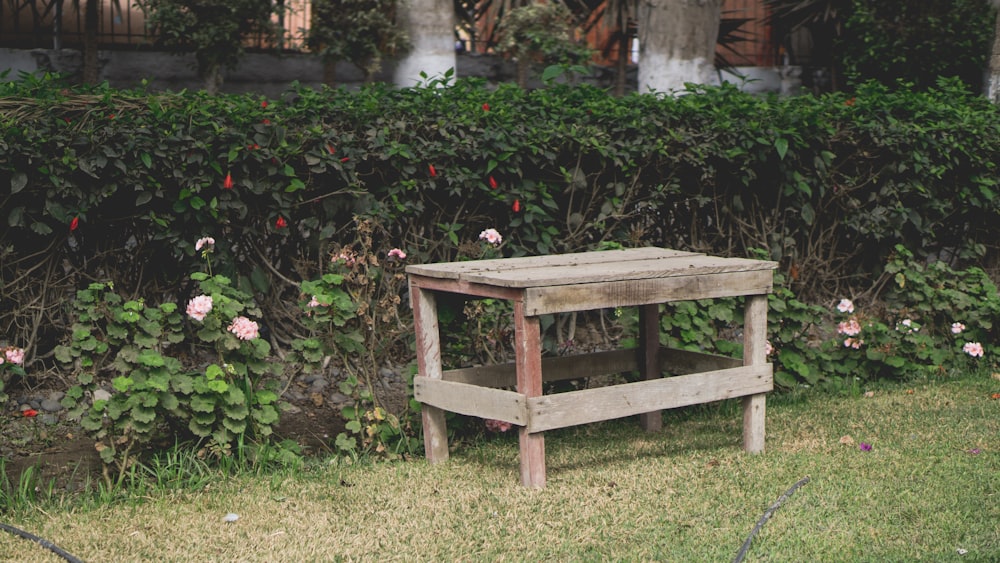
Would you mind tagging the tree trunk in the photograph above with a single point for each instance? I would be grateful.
(212, 75)
(330, 73)
(91, 25)
(431, 27)
(677, 43)
(624, 53)
(993, 89)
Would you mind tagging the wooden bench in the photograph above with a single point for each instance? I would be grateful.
(539, 285)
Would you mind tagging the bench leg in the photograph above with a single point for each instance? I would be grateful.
(649, 346)
(428, 344)
(528, 364)
(754, 342)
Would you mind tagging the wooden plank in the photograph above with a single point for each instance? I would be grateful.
(471, 400)
(428, 345)
(604, 272)
(578, 366)
(462, 287)
(754, 353)
(649, 353)
(528, 365)
(583, 297)
(592, 405)
(454, 270)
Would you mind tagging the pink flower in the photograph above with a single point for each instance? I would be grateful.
(957, 328)
(845, 306)
(313, 303)
(768, 348)
(244, 328)
(973, 349)
(853, 343)
(491, 236)
(347, 256)
(202, 242)
(850, 327)
(198, 307)
(397, 254)
(497, 425)
(14, 355)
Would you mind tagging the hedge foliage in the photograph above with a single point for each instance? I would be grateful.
(102, 184)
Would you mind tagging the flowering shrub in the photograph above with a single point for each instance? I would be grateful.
(160, 387)
(351, 314)
(11, 362)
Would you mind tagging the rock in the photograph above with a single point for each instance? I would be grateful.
(49, 405)
(49, 419)
(56, 396)
(101, 395)
(318, 385)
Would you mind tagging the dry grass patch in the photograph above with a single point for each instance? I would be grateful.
(687, 494)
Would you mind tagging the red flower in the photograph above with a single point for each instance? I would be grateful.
(517, 206)
(493, 183)
(228, 182)
(280, 223)
(253, 147)
(345, 159)
(849, 102)
(430, 168)
(331, 149)
(29, 412)
(486, 107)
(74, 223)
(112, 116)
(995, 396)
(263, 104)
(266, 121)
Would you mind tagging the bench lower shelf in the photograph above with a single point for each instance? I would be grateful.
(478, 392)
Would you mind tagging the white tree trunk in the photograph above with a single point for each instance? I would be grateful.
(993, 87)
(677, 43)
(431, 27)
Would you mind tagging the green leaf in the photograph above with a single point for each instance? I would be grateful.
(18, 181)
(781, 145)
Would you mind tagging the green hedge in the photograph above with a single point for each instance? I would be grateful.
(104, 184)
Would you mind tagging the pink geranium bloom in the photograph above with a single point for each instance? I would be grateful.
(244, 328)
(497, 425)
(845, 306)
(973, 349)
(202, 242)
(397, 253)
(198, 307)
(313, 303)
(14, 355)
(491, 236)
(850, 327)
(957, 328)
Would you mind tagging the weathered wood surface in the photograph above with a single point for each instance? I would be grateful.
(588, 296)
(587, 267)
(579, 366)
(454, 270)
(471, 400)
(604, 403)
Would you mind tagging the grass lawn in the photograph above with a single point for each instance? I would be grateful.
(929, 490)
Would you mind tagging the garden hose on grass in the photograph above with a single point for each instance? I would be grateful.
(767, 515)
(43, 542)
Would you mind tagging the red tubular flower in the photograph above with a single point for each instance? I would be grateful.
(228, 182)
(280, 223)
(493, 183)
(331, 149)
(517, 206)
(486, 107)
(74, 224)
(266, 121)
(345, 159)
(263, 104)
(433, 172)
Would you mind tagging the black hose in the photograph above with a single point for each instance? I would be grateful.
(43, 542)
(767, 515)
